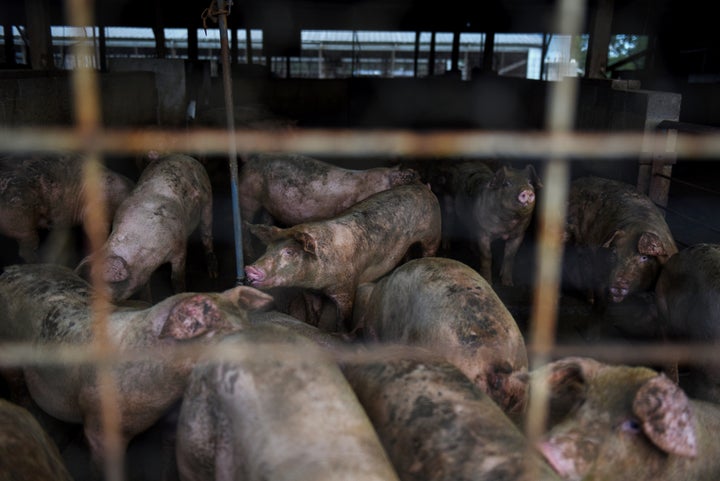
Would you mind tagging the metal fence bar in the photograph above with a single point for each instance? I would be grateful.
(86, 98)
(357, 142)
(551, 212)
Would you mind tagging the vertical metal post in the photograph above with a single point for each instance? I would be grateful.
(560, 118)
(232, 148)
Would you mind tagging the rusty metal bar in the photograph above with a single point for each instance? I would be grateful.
(426, 144)
(86, 98)
(553, 206)
(224, 9)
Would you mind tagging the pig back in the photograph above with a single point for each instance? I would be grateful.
(27, 452)
(36, 299)
(688, 302)
(282, 410)
(294, 188)
(448, 307)
(438, 426)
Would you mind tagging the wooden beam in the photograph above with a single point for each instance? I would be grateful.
(38, 30)
(600, 29)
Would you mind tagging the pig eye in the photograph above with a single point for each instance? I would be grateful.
(288, 252)
(630, 426)
(644, 258)
(506, 183)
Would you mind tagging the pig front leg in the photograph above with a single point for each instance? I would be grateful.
(207, 241)
(343, 299)
(177, 273)
(511, 248)
(485, 261)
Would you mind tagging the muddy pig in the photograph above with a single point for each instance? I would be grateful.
(620, 237)
(293, 189)
(47, 192)
(688, 302)
(436, 425)
(446, 306)
(172, 197)
(49, 305)
(27, 453)
(334, 256)
(483, 206)
(629, 424)
(283, 411)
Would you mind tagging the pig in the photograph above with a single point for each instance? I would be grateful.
(485, 206)
(687, 296)
(27, 453)
(283, 411)
(293, 189)
(436, 425)
(151, 227)
(446, 306)
(628, 423)
(621, 239)
(47, 192)
(49, 305)
(361, 244)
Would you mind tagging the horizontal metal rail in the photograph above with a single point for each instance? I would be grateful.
(359, 142)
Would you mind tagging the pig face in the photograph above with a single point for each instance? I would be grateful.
(517, 187)
(635, 262)
(625, 424)
(287, 259)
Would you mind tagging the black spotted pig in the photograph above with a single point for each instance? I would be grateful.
(47, 192)
(621, 237)
(49, 304)
(436, 425)
(484, 206)
(293, 189)
(629, 424)
(151, 227)
(27, 452)
(335, 255)
(447, 307)
(284, 411)
(687, 295)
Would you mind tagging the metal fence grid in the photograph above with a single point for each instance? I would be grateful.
(555, 145)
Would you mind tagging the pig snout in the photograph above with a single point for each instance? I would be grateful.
(617, 293)
(255, 276)
(116, 269)
(559, 461)
(526, 197)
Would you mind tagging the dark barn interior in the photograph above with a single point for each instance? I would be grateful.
(430, 80)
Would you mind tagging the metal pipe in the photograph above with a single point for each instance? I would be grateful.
(602, 146)
(231, 145)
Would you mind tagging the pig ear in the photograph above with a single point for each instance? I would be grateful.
(613, 236)
(567, 384)
(666, 418)
(307, 241)
(266, 233)
(191, 317)
(533, 176)
(499, 178)
(650, 244)
(249, 298)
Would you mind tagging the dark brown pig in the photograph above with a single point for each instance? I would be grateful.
(629, 424)
(447, 307)
(438, 426)
(27, 452)
(334, 256)
(688, 302)
(282, 411)
(293, 189)
(47, 192)
(483, 206)
(49, 305)
(620, 236)
(172, 197)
